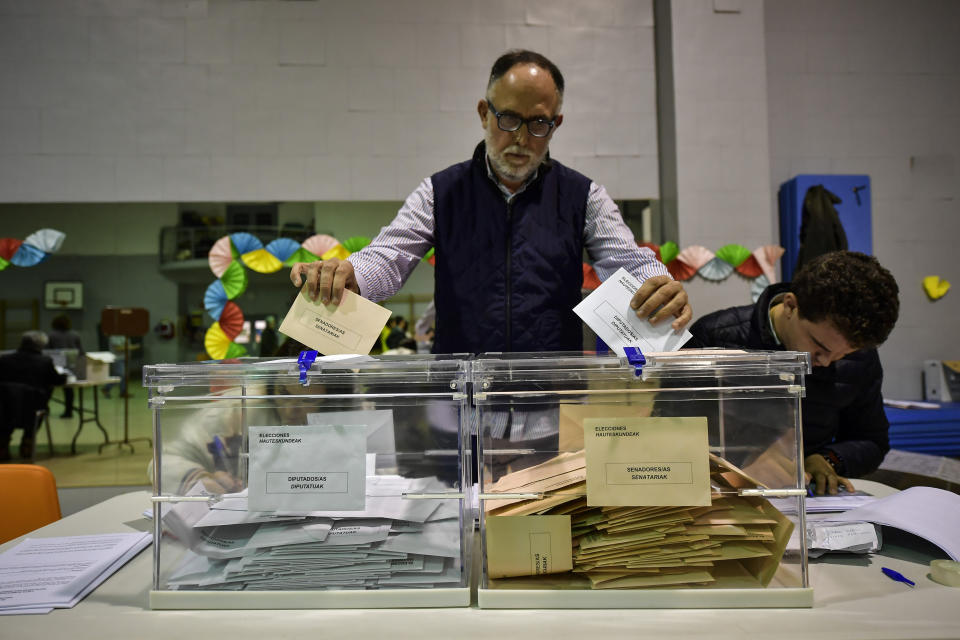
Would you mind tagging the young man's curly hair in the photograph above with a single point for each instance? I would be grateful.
(851, 290)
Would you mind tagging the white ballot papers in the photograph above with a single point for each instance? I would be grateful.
(350, 327)
(393, 542)
(41, 574)
(607, 311)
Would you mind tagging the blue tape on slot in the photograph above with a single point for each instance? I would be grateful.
(635, 357)
(305, 361)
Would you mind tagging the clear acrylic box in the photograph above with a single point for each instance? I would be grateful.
(675, 483)
(349, 489)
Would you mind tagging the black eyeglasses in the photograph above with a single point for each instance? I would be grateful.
(538, 127)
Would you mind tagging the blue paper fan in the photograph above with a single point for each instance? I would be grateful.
(716, 269)
(282, 248)
(245, 242)
(757, 286)
(28, 256)
(214, 299)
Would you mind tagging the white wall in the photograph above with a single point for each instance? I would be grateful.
(155, 100)
(873, 87)
(723, 193)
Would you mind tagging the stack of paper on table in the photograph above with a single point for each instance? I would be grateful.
(391, 543)
(42, 574)
(732, 542)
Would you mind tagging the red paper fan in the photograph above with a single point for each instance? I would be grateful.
(8, 247)
(750, 267)
(653, 247)
(680, 270)
(231, 320)
(590, 279)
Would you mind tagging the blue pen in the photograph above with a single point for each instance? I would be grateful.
(896, 575)
(218, 451)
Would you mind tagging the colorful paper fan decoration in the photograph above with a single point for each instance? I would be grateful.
(220, 256)
(767, 257)
(431, 256)
(8, 247)
(47, 240)
(319, 244)
(216, 342)
(261, 261)
(652, 247)
(668, 252)
(757, 287)
(935, 288)
(680, 270)
(231, 320)
(590, 278)
(235, 351)
(696, 256)
(355, 243)
(245, 242)
(214, 299)
(282, 248)
(750, 268)
(300, 255)
(338, 251)
(234, 280)
(28, 256)
(733, 254)
(3, 264)
(716, 269)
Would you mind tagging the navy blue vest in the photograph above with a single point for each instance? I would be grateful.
(508, 276)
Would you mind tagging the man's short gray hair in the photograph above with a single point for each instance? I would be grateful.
(35, 340)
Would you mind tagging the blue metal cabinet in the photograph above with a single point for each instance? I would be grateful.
(854, 210)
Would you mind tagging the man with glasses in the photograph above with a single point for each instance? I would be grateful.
(839, 308)
(509, 227)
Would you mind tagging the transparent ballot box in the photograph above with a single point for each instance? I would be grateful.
(345, 485)
(673, 483)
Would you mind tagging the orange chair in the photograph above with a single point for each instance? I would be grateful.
(28, 499)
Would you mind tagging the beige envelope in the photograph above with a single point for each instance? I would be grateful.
(351, 327)
(528, 545)
(660, 461)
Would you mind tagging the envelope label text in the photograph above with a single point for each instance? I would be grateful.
(649, 473)
(307, 482)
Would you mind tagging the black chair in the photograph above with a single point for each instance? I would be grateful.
(22, 407)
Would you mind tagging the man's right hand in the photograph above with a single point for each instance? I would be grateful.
(325, 279)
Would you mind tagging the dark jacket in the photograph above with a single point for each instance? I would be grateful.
(820, 228)
(508, 274)
(31, 368)
(843, 406)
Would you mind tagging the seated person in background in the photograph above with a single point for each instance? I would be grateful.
(839, 308)
(24, 372)
(63, 337)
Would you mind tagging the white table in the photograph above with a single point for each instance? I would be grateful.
(852, 599)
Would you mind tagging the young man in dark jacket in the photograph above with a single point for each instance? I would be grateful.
(839, 308)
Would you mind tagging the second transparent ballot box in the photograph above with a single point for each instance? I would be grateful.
(344, 484)
(675, 482)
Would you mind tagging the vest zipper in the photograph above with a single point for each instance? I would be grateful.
(509, 287)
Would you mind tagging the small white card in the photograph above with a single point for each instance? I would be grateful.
(607, 311)
(307, 468)
(353, 326)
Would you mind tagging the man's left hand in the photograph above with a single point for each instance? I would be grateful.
(662, 297)
(817, 468)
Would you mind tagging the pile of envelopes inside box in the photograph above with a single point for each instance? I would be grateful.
(392, 543)
(735, 542)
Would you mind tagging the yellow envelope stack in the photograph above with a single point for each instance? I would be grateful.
(734, 542)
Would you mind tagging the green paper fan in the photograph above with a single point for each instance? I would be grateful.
(235, 351)
(234, 280)
(355, 243)
(300, 255)
(3, 264)
(429, 254)
(668, 251)
(733, 254)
